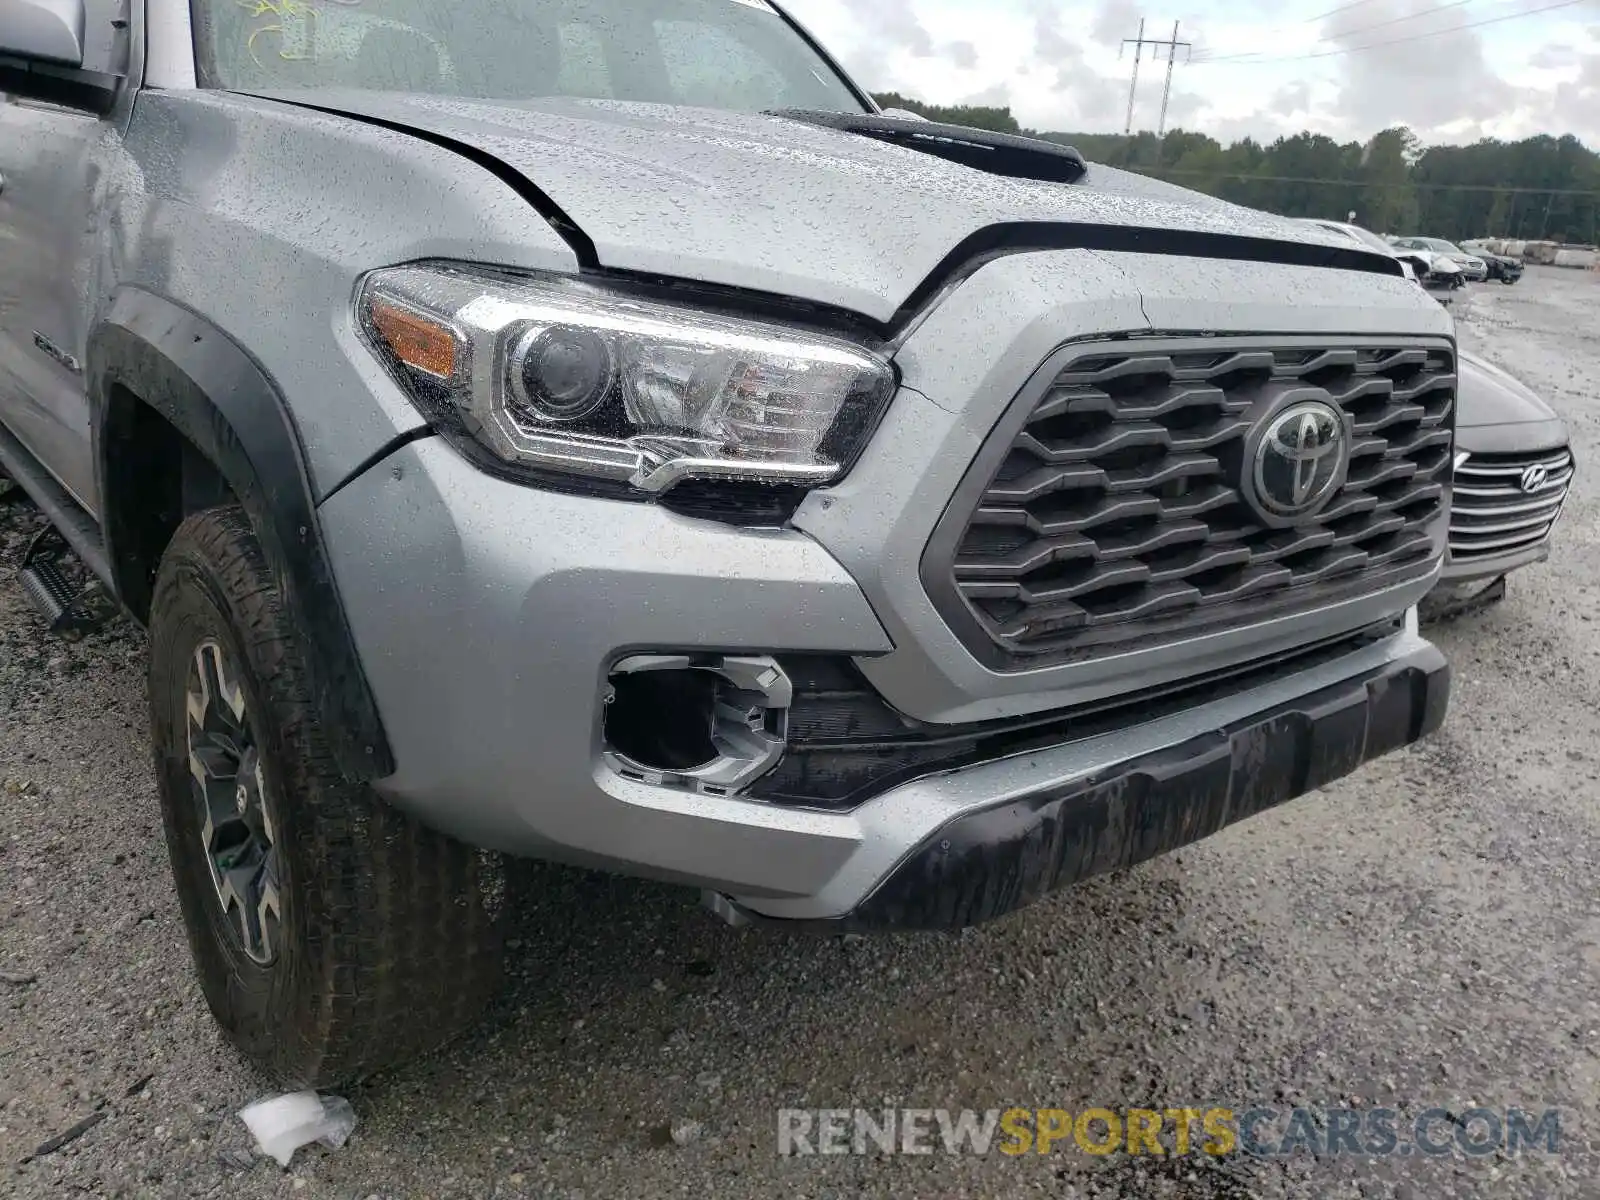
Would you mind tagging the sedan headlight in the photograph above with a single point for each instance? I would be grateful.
(557, 376)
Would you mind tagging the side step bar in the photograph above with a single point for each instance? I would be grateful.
(70, 613)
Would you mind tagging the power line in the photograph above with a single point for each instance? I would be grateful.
(1416, 37)
(1363, 183)
(1334, 12)
(1346, 33)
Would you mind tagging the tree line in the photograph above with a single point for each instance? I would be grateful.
(1537, 188)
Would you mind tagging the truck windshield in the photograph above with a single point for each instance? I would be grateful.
(741, 55)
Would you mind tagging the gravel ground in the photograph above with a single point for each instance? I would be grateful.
(1423, 934)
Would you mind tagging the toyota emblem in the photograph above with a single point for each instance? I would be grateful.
(1301, 459)
(1535, 477)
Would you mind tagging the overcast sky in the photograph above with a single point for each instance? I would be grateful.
(1055, 62)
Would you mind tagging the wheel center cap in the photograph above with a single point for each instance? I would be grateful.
(242, 798)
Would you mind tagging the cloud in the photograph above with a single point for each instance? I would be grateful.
(1118, 19)
(1550, 57)
(997, 96)
(1260, 67)
(1583, 93)
(1080, 91)
(1050, 43)
(1292, 98)
(895, 22)
(963, 54)
(885, 31)
(1431, 76)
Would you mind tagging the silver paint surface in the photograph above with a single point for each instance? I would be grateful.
(776, 205)
(264, 218)
(47, 29)
(488, 616)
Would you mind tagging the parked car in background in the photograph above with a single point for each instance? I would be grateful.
(1513, 468)
(1502, 267)
(1355, 232)
(1472, 266)
(1438, 273)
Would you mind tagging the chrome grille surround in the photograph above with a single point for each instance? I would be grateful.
(1105, 510)
(1492, 515)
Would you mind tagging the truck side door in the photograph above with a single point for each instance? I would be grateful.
(53, 163)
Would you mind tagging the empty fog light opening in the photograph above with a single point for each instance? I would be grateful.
(704, 722)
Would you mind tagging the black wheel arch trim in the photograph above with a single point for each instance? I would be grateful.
(226, 404)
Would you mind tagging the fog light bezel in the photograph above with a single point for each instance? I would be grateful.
(747, 721)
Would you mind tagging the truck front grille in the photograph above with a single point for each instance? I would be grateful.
(1504, 503)
(1111, 509)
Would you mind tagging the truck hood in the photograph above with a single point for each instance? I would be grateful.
(782, 206)
(1486, 395)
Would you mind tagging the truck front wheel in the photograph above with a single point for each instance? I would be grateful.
(333, 935)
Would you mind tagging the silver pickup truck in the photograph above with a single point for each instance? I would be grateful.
(591, 430)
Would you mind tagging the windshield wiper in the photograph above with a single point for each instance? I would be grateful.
(997, 153)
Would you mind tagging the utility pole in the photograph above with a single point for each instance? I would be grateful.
(1172, 55)
(1138, 44)
(1138, 49)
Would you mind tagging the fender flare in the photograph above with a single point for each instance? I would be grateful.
(217, 396)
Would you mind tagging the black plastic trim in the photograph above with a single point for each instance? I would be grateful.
(225, 403)
(847, 744)
(862, 96)
(988, 863)
(1006, 154)
(1025, 237)
(938, 556)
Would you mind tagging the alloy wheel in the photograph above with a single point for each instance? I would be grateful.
(229, 790)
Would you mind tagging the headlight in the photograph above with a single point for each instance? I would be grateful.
(557, 375)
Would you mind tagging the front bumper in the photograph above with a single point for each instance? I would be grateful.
(992, 860)
(1472, 570)
(489, 616)
(488, 650)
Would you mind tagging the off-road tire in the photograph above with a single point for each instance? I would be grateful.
(388, 941)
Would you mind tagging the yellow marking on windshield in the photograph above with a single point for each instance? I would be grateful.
(276, 13)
